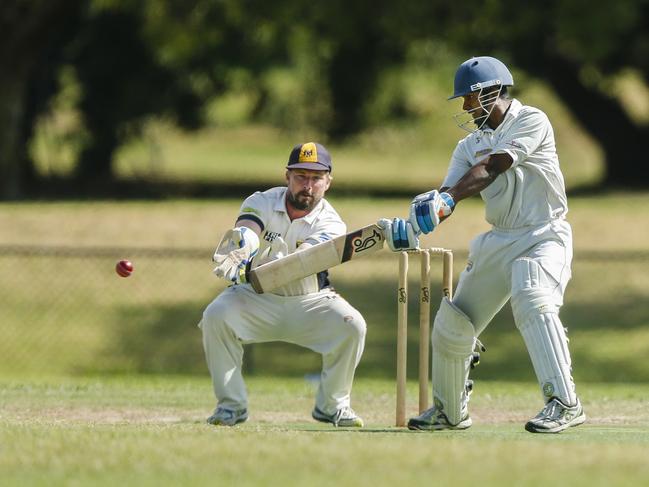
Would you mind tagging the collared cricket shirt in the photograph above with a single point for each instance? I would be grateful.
(268, 210)
(532, 191)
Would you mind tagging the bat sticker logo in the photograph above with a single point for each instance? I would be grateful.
(355, 242)
(361, 244)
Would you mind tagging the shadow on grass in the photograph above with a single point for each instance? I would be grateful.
(166, 339)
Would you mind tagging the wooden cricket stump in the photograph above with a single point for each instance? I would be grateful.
(424, 322)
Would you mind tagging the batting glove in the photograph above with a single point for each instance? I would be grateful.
(428, 209)
(399, 234)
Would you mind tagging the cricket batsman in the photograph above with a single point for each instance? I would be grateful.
(307, 312)
(509, 158)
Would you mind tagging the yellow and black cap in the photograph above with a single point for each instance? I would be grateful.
(309, 155)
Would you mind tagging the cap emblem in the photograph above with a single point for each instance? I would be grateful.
(308, 153)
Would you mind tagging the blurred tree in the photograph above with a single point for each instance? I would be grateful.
(31, 34)
(122, 83)
(579, 47)
(131, 59)
(136, 58)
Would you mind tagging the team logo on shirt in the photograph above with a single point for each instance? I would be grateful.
(270, 236)
(515, 144)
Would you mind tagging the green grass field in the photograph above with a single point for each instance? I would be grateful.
(151, 431)
(67, 309)
(103, 380)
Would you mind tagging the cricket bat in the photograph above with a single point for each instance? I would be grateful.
(320, 257)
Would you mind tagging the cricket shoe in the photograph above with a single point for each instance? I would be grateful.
(433, 420)
(227, 417)
(556, 417)
(344, 417)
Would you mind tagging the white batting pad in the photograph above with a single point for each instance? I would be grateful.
(536, 298)
(547, 345)
(453, 342)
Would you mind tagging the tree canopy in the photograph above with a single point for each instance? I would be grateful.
(134, 58)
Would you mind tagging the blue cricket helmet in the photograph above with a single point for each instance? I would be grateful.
(478, 73)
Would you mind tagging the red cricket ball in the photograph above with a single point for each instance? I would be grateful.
(124, 268)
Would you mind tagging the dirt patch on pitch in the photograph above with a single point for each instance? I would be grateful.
(103, 415)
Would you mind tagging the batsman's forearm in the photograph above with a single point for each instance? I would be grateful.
(480, 176)
(474, 181)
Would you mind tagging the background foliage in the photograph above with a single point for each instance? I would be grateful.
(114, 112)
(333, 69)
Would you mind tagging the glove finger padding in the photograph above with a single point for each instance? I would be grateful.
(386, 226)
(277, 249)
(422, 217)
(399, 234)
(237, 247)
(428, 209)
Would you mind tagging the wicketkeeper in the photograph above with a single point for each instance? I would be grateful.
(509, 157)
(307, 312)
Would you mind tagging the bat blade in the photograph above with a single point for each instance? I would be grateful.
(320, 257)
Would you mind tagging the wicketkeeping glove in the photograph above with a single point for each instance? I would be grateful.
(399, 234)
(428, 209)
(276, 250)
(236, 249)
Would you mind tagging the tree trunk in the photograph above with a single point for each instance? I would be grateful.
(94, 166)
(27, 28)
(11, 117)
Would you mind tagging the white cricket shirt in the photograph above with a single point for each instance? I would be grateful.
(268, 210)
(532, 191)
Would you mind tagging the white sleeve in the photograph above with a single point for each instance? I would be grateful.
(458, 166)
(326, 229)
(524, 136)
(255, 208)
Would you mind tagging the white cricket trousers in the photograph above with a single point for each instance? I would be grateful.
(532, 267)
(323, 322)
(489, 280)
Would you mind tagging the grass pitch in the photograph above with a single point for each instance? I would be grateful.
(144, 430)
(68, 315)
(64, 310)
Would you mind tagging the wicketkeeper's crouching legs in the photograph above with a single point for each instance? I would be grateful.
(323, 322)
(224, 351)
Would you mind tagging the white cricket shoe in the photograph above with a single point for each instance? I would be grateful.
(227, 417)
(344, 417)
(433, 419)
(556, 417)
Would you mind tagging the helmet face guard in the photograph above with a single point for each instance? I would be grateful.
(478, 115)
(480, 75)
